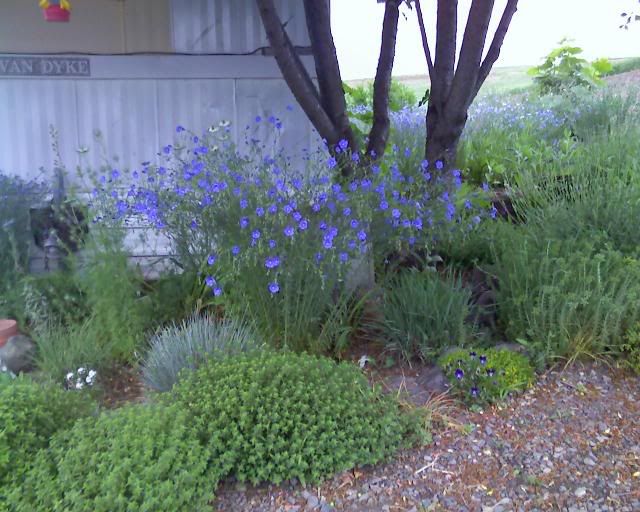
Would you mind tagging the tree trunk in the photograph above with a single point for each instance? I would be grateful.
(443, 136)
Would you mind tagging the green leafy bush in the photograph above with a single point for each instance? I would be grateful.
(113, 293)
(139, 457)
(279, 416)
(424, 312)
(563, 68)
(630, 349)
(29, 415)
(191, 342)
(478, 375)
(565, 299)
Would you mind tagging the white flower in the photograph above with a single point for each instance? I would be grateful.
(79, 385)
(92, 374)
(81, 370)
(363, 361)
(69, 375)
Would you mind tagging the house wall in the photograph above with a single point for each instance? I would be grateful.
(131, 26)
(96, 26)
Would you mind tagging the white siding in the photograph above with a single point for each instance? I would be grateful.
(135, 103)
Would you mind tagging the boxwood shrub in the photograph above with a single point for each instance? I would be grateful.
(137, 458)
(276, 416)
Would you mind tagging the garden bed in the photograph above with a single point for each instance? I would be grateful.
(572, 442)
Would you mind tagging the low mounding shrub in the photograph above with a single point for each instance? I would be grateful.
(425, 312)
(278, 416)
(478, 376)
(29, 415)
(188, 344)
(140, 457)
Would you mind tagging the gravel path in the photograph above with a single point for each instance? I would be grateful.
(571, 443)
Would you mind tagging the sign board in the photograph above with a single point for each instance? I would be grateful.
(16, 65)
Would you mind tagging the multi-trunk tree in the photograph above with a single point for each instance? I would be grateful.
(455, 76)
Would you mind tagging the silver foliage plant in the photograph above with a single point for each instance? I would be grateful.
(188, 344)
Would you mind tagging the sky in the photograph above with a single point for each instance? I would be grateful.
(536, 29)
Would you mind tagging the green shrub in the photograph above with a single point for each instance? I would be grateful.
(478, 375)
(29, 415)
(424, 313)
(630, 349)
(139, 457)
(113, 293)
(280, 415)
(16, 197)
(563, 68)
(565, 299)
(623, 66)
(62, 349)
(190, 343)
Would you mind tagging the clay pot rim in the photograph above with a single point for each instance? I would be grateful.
(8, 328)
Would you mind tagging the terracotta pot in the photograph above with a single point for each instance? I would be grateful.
(56, 13)
(8, 328)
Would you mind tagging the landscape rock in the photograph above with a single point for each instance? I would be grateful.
(18, 353)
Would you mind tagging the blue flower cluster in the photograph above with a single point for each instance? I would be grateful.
(230, 213)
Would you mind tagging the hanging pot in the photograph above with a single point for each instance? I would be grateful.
(8, 328)
(56, 13)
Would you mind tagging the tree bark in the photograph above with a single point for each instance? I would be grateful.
(452, 93)
(294, 72)
(327, 69)
(379, 133)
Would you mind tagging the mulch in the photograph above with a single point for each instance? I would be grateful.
(570, 443)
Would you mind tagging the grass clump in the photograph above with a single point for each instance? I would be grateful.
(188, 344)
(277, 416)
(425, 312)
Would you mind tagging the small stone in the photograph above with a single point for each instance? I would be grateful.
(589, 461)
(580, 492)
(17, 353)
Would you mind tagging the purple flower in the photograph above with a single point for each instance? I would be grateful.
(210, 281)
(244, 222)
(362, 235)
(384, 205)
(395, 213)
(289, 231)
(256, 234)
(490, 372)
(235, 250)
(259, 211)
(343, 144)
(211, 259)
(274, 288)
(354, 224)
(483, 360)
(474, 391)
(344, 257)
(179, 129)
(272, 244)
(217, 291)
(303, 224)
(331, 162)
(243, 203)
(459, 374)
(296, 216)
(439, 165)
(273, 209)
(472, 355)
(346, 212)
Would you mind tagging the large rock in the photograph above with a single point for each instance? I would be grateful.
(18, 353)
